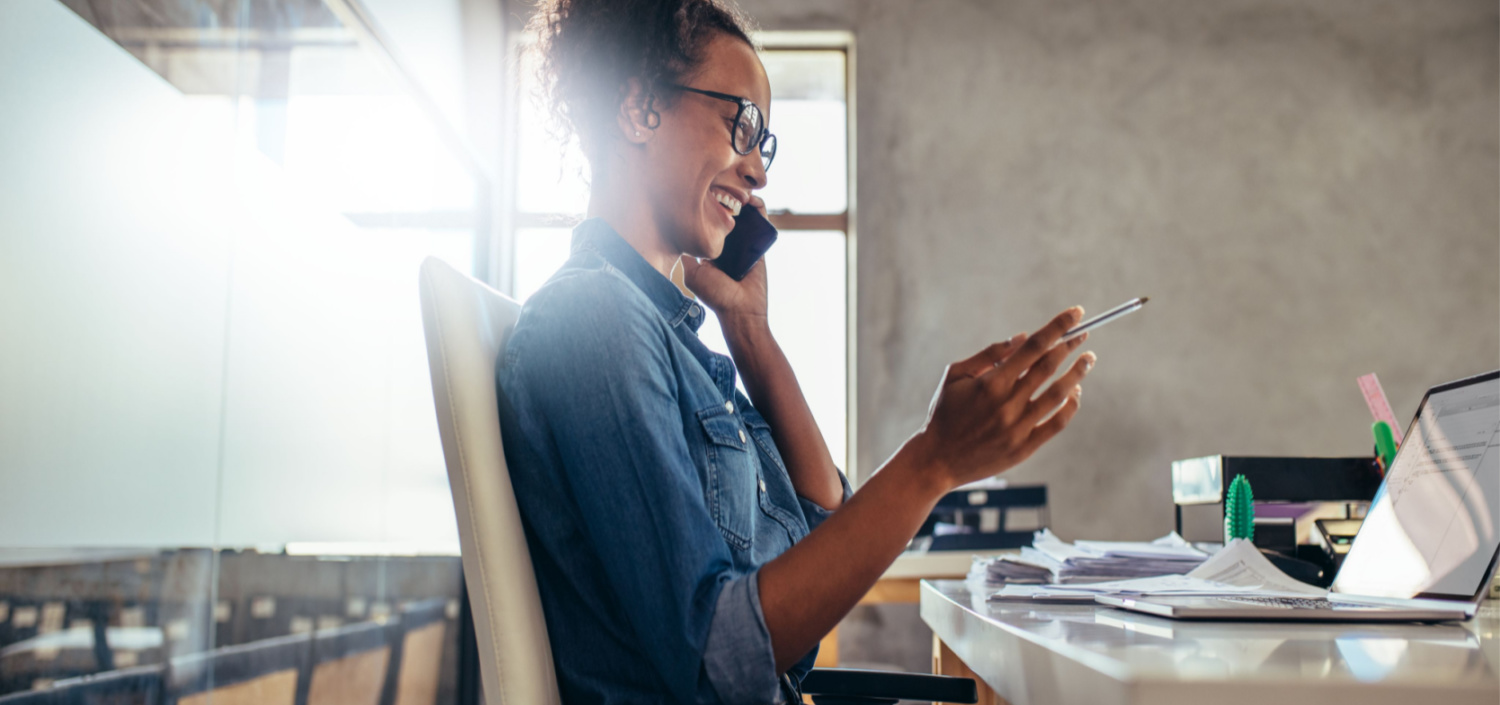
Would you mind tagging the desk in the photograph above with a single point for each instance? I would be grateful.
(1064, 654)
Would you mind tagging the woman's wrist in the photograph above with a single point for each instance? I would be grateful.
(745, 327)
(921, 468)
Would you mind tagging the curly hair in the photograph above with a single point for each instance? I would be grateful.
(588, 50)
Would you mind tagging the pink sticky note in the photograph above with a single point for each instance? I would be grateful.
(1380, 408)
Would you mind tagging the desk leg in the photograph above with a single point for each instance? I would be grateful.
(946, 663)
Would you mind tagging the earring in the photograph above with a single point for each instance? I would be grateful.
(637, 133)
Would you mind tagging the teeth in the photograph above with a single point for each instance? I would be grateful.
(729, 201)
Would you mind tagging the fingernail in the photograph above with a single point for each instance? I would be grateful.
(1089, 358)
(1077, 391)
(1077, 310)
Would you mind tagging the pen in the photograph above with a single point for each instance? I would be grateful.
(1128, 307)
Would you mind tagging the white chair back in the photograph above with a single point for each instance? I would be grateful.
(467, 325)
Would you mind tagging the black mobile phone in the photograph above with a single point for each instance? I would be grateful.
(746, 243)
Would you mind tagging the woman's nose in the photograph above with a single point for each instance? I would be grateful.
(754, 171)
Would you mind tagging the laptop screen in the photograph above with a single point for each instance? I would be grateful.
(1434, 526)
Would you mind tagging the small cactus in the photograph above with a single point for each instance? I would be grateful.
(1239, 511)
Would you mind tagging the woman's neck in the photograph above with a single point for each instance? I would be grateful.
(627, 210)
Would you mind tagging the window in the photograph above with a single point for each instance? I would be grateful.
(807, 196)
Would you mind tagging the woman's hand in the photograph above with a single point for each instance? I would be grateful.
(992, 411)
(731, 300)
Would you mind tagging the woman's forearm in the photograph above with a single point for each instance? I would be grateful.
(773, 388)
(807, 590)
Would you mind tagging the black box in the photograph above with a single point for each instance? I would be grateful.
(1200, 484)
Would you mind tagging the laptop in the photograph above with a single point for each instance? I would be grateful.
(1427, 549)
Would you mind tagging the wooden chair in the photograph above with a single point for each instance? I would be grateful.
(349, 664)
(141, 685)
(266, 672)
(417, 668)
(467, 325)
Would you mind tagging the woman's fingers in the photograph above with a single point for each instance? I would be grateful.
(1065, 388)
(1036, 346)
(691, 270)
(1040, 372)
(985, 360)
(1054, 425)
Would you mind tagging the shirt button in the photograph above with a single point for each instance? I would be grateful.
(742, 437)
(729, 406)
(762, 486)
(694, 310)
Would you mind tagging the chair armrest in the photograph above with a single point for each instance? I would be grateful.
(852, 684)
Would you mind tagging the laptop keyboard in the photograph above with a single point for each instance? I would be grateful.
(1296, 603)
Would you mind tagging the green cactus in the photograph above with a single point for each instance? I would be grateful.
(1239, 511)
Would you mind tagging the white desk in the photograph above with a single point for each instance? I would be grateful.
(1062, 654)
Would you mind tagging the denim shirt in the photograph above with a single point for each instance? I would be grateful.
(650, 489)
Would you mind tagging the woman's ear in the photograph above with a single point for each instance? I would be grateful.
(636, 120)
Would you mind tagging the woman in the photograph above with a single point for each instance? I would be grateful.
(691, 545)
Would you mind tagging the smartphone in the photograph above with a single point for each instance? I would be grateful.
(746, 243)
(1128, 307)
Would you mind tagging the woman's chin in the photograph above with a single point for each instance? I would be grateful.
(714, 234)
(712, 246)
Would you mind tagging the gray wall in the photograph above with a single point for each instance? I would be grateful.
(1307, 191)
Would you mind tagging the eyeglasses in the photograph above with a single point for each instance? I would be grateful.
(750, 130)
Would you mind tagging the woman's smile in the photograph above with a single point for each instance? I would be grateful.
(728, 204)
(730, 201)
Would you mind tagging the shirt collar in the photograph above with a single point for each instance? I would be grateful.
(599, 237)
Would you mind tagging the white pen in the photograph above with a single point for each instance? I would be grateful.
(1120, 311)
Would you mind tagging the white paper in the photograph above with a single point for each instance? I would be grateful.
(1170, 546)
(1025, 593)
(1239, 569)
(1241, 564)
(1048, 544)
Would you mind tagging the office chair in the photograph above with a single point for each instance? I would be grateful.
(467, 326)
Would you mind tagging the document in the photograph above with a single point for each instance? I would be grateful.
(1169, 546)
(1242, 564)
(1098, 561)
(1035, 593)
(1238, 569)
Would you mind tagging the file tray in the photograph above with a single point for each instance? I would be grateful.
(1199, 486)
(987, 519)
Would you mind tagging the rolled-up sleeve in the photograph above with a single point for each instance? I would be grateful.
(605, 384)
(814, 512)
(738, 654)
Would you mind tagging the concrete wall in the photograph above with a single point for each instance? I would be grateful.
(1307, 191)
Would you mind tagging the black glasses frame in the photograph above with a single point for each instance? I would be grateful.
(757, 142)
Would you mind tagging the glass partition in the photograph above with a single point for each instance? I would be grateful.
(219, 460)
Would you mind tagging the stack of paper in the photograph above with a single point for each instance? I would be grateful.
(1238, 569)
(1012, 570)
(1097, 561)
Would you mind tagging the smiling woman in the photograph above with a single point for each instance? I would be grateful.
(807, 200)
(691, 540)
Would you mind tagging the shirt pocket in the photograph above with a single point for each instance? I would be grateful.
(777, 496)
(733, 475)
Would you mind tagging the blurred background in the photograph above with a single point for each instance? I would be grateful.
(216, 421)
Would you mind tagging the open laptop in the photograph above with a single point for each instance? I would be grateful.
(1428, 546)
